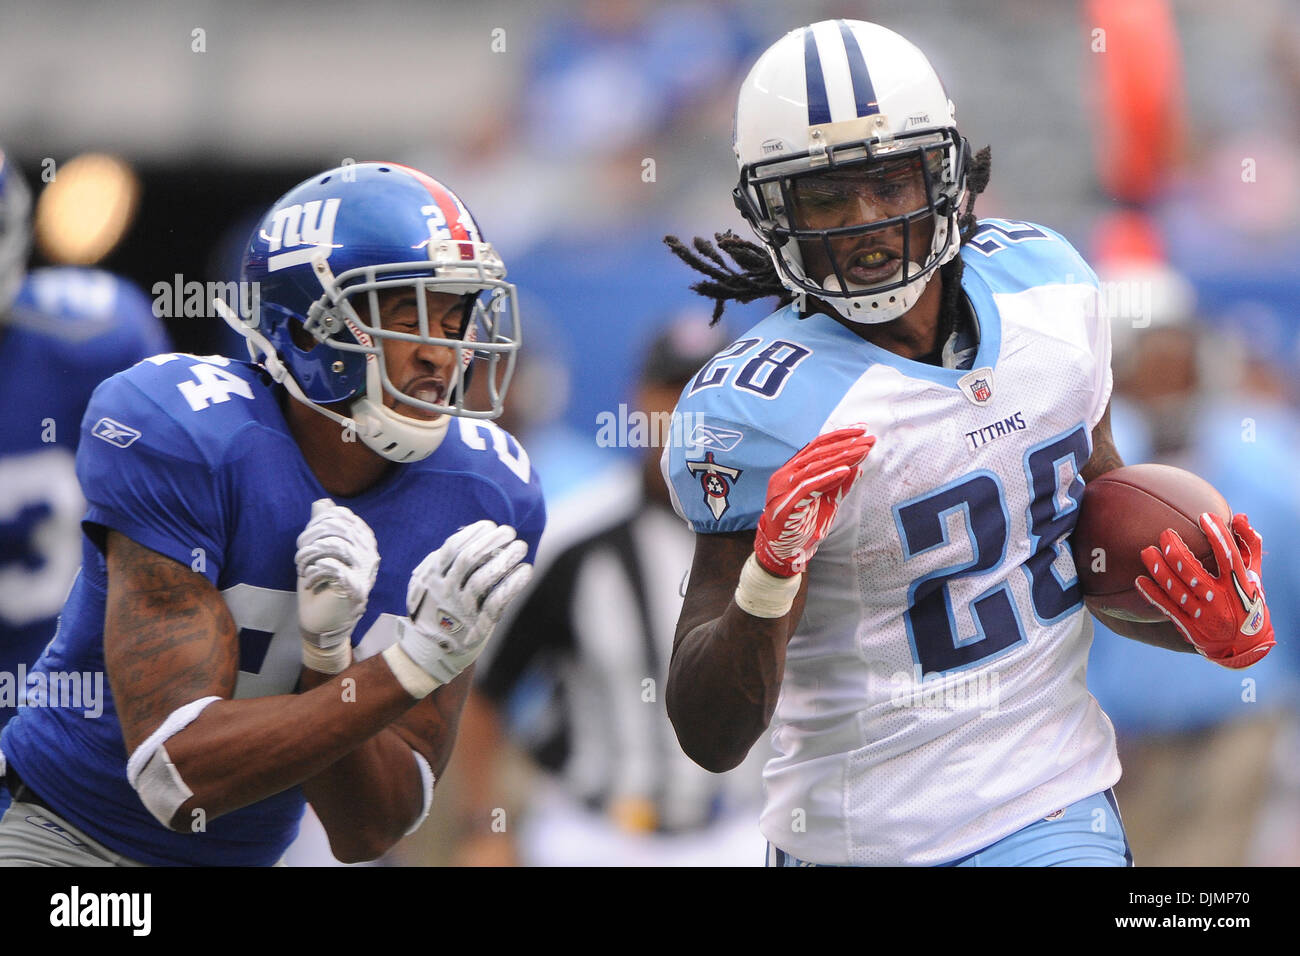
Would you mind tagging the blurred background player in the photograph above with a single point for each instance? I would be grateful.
(62, 331)
(576, 680)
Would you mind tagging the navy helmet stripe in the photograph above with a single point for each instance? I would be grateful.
(819, 109)
(864, 94)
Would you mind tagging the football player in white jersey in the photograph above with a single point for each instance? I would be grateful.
(910, 436)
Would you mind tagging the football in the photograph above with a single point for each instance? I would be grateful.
(1123, 512)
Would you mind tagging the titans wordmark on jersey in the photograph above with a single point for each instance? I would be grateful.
(191, 456)
(68, 330)
(934, 697)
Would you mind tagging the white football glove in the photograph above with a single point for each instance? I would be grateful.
(455, 598)
(337, 561)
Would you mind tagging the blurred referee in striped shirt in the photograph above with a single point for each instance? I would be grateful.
(576, 681)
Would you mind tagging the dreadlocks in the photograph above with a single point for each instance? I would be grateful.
(758, 280)
(757, 277)
(950, 305)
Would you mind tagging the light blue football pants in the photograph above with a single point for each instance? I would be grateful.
(1088, 832)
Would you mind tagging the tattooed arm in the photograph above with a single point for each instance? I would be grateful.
(169, 639)
(1105, 457)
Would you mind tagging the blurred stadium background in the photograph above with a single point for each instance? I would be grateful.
(581, 132)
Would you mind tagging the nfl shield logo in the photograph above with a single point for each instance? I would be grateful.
(977, 385)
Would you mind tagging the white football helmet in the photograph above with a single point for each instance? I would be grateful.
(848, 152)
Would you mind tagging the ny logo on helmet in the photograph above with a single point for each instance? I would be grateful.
(309, 224)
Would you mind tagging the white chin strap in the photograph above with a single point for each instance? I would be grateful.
(882, 308)
(384, 432)
(870, 310)
(394, 436)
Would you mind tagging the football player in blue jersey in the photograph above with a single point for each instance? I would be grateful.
(882, 496)
(63, 330)
(290, 564)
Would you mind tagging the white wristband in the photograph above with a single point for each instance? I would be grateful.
(426, 784)
(414, 678)
(150, 770)
(764, 594)
(327, 660)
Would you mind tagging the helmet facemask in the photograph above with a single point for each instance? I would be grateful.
(829, 215)
(486, 331)
(376, 298)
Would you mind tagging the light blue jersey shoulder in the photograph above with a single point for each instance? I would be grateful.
(1012, 256)
(750, 408)
(765, 396)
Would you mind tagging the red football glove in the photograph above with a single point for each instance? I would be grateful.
(1224, 616)
(803, 496)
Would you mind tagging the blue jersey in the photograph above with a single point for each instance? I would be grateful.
(192, 457)
(933, 699)
(68, 330)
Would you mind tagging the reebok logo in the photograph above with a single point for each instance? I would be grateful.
(115, 433)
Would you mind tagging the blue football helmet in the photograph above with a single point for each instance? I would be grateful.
(342, 238)
(15, 231)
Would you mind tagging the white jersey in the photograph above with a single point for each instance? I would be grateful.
(934, 696)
